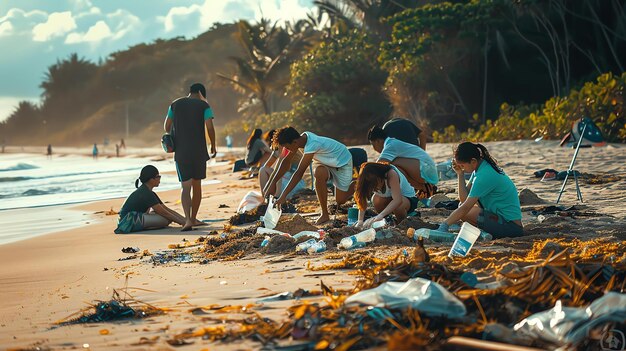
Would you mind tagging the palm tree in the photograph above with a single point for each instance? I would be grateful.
(263, 73)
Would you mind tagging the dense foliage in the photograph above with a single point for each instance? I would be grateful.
(476, 69)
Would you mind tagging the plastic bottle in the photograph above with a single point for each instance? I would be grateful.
(310, 233)
(365, 236)
(431, 234)
(265, 241)
(319, 246)
(305, 245)
(353, 215)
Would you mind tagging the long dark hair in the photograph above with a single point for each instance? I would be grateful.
(371, 178)
(256, 134)
(466, 151)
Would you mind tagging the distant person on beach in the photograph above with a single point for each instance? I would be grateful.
(49, 151)
(268, 171)
(392, 193)
(332, 161)
(143, 209)
(418, 167)
(122, 144)
(489, 200)
(405, 130)
(229, 142)
(3, 144)
(94, 151)
(117, 150)
(257, 151)
(189, 116)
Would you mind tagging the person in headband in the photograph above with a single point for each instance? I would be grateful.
(143, 209)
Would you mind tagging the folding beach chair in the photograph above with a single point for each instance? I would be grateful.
(584, 133)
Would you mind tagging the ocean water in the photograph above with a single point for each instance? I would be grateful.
(28, 180)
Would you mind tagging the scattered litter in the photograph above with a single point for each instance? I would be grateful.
(359, 239)
(418, 293)
(130, 250)
(430, 234)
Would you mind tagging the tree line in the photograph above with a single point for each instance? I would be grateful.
(479, 69)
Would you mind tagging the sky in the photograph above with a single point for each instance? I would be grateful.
(34, 34)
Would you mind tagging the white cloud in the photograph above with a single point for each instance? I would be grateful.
(123, 22)
(6, 28)
(182, 15)
(96, 33)
(58, 24)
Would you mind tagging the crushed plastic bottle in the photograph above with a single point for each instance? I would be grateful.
(365, 236)
(304, 246)
(431, 234)
(319, 246)
(317, 235)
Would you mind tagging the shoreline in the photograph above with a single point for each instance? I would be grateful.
(49, 277)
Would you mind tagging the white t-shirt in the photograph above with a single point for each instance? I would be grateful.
(326, 151)
(405, 188)
(394, 148)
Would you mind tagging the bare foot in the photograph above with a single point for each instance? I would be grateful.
(187, 227)
(323, 219)
(197, 223)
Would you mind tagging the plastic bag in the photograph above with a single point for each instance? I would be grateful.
(272, 215)
(421, 294)
(571, 325)
(250, 201)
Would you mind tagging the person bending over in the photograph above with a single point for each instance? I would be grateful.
(332, 159)
(489, 200)
(268, 171)
(257, 151)
(413, 161)
(143, 209)
(392, 192)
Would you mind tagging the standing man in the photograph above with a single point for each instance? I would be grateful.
(186, 119)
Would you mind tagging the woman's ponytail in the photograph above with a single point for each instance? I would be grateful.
(467, 151)
(487, 157)
(137, 183)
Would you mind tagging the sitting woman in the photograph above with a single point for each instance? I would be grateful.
(257, 151)
(392, 192)
(143, 209)
(489, 200)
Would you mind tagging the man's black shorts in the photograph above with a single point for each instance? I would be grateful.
(195, 170)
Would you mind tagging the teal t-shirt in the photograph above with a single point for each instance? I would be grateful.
(208, 113)
(496, 192)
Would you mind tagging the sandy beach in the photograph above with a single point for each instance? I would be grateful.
(50, 277)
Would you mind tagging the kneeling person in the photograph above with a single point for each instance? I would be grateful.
(332, 159)
(418, 167)
(143, 209)
(392, 192)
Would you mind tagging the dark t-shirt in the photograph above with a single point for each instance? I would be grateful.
(140, 201)
(189, 135)
(402, 129)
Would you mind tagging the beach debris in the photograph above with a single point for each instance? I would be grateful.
(420, 255)
(430, 234)
(562, 325)
(317, 247)
(130, 249)
(167, 256)
(223, 206)
(528, 197)
(319, 234)
(420, 294)
(437, 198)
(111, 212)
(304, 246)
(279, 244)
(122, 306)
(288, 295)
(272, 215)
(358, 240)
(250, 201)
(465, 240)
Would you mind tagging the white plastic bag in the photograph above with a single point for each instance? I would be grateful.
(272, 215)
(419, 293)
(250, 201)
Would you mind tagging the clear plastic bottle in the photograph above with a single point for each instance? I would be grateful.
(319, 246)
(365, 236)
(431, 234)
(303, 246)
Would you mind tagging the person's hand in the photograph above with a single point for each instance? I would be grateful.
(443, 227)
(358, 224)
(213, 151)
(281, 200)
(368, 223)
(456, 168)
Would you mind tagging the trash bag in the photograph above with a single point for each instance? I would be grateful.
(285, 181)
(421, 294)
(571, 325)
(250, 201)
(272, 215)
